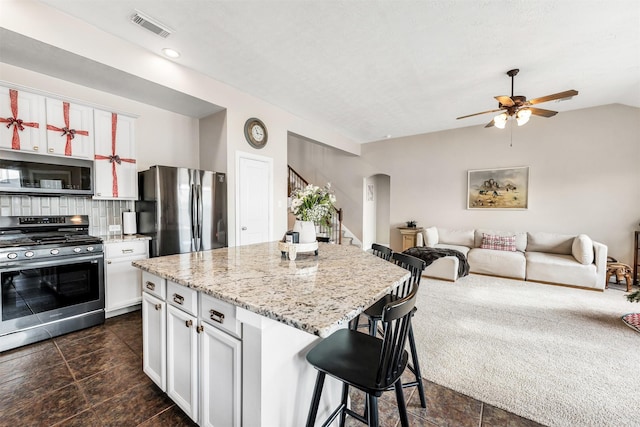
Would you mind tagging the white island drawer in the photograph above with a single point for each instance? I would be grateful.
(154, 285)
(184, 298)
(220, 314)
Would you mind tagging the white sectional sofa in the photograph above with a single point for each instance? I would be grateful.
(535, 256)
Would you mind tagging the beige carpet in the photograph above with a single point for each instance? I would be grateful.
(556, 355)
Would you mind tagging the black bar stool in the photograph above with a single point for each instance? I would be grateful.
(365, 362)
(374, 313)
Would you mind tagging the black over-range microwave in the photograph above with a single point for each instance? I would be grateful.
(24, 173)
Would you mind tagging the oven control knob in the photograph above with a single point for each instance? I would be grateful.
(55, 251)
(77, 250)
(12, 255)
(29, 254)
(90, 248)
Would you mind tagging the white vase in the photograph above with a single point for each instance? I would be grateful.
(306, 231)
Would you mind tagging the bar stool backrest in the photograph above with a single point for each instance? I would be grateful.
(415, 267)
(396, 319)
(381, 251)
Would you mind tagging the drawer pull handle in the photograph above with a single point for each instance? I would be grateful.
(158, 306)
(178, 299)
(216, 316)
(127, 251)
(151, 286)
(199, 329)
(188, 323)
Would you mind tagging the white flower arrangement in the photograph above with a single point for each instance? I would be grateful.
(313, 203)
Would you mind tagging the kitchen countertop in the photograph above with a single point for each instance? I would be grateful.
(119, 238)
(317, 294)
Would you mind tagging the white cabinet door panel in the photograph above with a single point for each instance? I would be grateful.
(22, 121)
(115, 170)
(154, 341)
(69, 129)
(220, 372)
(182, 360)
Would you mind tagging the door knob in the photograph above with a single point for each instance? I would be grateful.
(244, 228)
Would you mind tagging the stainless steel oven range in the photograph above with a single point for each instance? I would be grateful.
(52, 278)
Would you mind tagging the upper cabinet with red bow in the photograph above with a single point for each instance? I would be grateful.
(22, 121)
(115, 169)
(36, 124)
(69, 129)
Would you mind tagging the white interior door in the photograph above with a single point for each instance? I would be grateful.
(254, 197)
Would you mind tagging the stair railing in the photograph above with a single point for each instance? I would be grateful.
(332, 233)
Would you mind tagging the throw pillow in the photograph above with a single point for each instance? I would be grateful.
(499, 243)
(430, 237)
(582, 249)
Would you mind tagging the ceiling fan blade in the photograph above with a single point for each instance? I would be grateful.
(542, 112)
(505, 100)
(560, 95)
(490, 124)
(477, 114)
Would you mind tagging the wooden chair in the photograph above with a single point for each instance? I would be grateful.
(381, 251)
(366, 362)
(374, 313)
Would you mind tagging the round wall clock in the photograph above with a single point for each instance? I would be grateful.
(256, 133)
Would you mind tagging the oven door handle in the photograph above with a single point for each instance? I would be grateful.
(64, 260)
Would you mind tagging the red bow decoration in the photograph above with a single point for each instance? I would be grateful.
(18, 124)
(114, 158)
(66, 131)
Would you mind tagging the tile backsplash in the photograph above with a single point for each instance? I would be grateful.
(102, 213)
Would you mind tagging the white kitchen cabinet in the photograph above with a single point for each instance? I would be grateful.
(154, 338)
(221, 378)
(115, 170)
(123, 283)
(69, 129)
(182, 360)
(22, 121)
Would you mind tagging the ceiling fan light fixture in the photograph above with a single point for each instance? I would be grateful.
(500, 121)
(522, 116)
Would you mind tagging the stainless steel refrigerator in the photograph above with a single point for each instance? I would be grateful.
(183, 210)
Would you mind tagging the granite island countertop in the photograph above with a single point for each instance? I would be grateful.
(317, 294)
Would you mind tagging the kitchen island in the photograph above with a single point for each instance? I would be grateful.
(274, 309)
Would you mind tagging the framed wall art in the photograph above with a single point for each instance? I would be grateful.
(504, 188)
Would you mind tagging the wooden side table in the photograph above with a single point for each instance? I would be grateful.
(409, 236)
(636, 261)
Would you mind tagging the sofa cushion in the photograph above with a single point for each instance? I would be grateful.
(463, 249)
(563, 269)
(521, 237)
(455, 237)
(549, 242)
(582, 249)
(497, 263)
(430, 236)
(498, 243)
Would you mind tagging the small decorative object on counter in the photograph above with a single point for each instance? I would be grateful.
(411, 224)
(311, 205)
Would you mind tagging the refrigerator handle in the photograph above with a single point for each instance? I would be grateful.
(200, 213)
(192, 213)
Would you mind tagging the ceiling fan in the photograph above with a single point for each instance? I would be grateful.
(519, 107)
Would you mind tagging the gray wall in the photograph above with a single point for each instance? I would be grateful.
(584, 175)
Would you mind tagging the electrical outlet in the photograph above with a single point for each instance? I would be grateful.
(114, 228)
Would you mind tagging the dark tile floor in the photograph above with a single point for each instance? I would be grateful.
(94, 377)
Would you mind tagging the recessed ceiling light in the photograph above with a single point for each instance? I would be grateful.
(387, 136)
(171, 53)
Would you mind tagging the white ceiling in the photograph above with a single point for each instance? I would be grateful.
(374, 68)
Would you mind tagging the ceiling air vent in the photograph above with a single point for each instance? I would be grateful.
(151, 24)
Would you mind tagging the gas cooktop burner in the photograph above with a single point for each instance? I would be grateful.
(23, 232)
